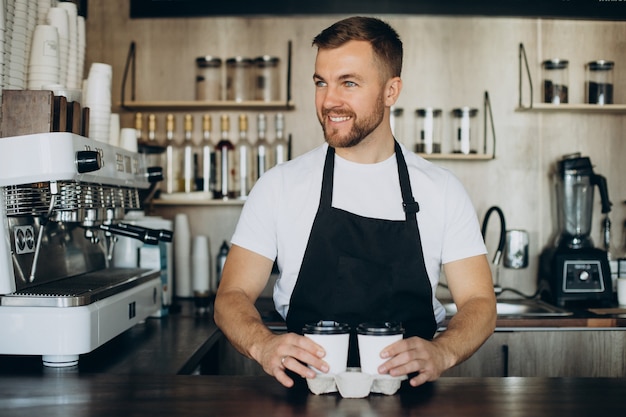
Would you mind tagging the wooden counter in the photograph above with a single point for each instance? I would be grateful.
(177, 395)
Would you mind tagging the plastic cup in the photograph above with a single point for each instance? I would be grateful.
(373, 337)
(334, 338)
(621, 291)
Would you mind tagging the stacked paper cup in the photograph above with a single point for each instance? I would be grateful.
(17, 12)
(82, 48)
(58, 18)
(73, 80)
(3, 30)
(42, 10)
(43, 66)
(97, 96)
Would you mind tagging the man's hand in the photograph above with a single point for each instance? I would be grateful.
(277, 353)
(415, 355)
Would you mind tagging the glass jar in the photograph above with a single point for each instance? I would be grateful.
(599, 76)
(465, 139)
(428, 129)
(555, 81)
(397, 123)
(239, 79)
(267, 86)
(208, 78)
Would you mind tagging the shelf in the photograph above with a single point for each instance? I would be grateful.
(574, 108)
(456, 157)
(205, 105)
(196, 105)
(194, 199)
(556, 108)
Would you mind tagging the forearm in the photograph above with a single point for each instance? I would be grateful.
(240, 321)
(467, 330)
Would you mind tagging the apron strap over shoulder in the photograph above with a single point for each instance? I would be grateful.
(409, 204)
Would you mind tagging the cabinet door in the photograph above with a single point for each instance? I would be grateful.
(490, 360)
(568, 353)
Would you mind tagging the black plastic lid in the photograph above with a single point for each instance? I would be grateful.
(459, 112)
(208, 61)
(552, 64)
(266, 61)
(424, 111)
(600, 65)
(326, 327)
(380, 328)
(239, 61)
(575, 162)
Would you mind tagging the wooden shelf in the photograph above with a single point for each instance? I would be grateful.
(574, 108)
(205, 105)
(194, 199)
(456, 157)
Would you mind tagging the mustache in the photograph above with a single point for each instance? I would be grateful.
(337, 113)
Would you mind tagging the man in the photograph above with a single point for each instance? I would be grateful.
(342, 223)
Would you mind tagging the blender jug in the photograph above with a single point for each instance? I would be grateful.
(575, 191)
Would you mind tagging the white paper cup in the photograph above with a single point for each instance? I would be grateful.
(182, 258)
(621, 291)
(200, 265)
(334, 338)
(373, 337)
(44, 48)
(128, 139)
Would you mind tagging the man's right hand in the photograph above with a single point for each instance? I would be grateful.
(277, 353)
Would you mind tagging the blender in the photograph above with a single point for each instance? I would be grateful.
(577, 272)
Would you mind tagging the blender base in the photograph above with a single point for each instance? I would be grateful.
(580, 277)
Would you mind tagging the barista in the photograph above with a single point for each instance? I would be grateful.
(351, 241)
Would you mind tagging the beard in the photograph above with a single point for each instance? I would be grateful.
(361, 127)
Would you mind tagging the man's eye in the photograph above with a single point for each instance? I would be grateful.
(319, 83)
(350, 84)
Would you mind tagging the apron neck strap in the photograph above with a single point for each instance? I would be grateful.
(409, 204)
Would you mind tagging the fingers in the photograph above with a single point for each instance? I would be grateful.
(413, 355)
(295, 353)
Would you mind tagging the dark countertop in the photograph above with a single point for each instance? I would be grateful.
(181, 395)
(170, 345)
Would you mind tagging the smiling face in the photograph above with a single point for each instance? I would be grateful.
(351, 97)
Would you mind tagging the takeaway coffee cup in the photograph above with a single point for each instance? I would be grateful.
(373, 337)
(334, 338)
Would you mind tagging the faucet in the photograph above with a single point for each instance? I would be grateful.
(498, 255)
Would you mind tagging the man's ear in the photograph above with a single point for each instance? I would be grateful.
(392, 91)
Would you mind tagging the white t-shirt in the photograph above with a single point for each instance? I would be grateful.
(276, 219)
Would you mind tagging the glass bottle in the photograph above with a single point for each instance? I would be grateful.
(224, 162)
(188, 163)
(153, 158)
(243, 160)
(152, 126)
(280, 146)
(206, 182)
(172, 156)
(262, 149)
(139, 127)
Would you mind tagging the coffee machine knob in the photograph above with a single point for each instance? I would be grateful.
(88, 161)
(584, 276)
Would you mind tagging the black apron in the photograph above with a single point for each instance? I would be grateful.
(358, 269)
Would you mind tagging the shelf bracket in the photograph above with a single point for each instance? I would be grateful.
(523, 59)
(487, 112)
(130, 65)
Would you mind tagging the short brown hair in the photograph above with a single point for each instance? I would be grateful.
(385, 41)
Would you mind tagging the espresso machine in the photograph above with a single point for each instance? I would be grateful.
(62, 199)
(577, 272)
